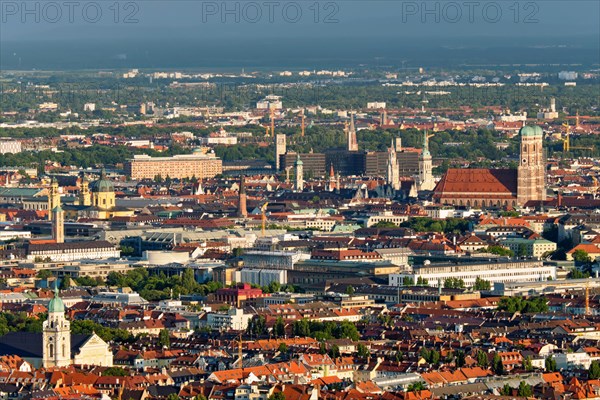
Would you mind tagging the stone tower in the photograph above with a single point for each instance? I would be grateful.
(351, 133)
(299, 174)
(425, 180)
(56, 335)
(242, 208)
(531, 173)
(53, 197)
(393, 172)
(58, 224)
(280, 149)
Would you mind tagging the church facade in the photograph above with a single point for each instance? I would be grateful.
(56, 346)
(503, 188)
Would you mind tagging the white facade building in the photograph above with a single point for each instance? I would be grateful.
(493, 271)
(235, 319)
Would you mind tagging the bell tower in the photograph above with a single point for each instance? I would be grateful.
(85, 197)
(56, 335)
(531, 173)
(53, 197)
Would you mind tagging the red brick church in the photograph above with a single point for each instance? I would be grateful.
(508, 188)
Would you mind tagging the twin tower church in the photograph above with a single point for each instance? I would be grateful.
(508, 188)
(56, 346)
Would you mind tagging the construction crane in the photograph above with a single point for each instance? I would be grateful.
(567, 141)
(263, 210)
(272, 121)
(240, 354)
(587, 298)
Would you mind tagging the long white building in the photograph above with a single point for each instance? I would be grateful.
(494, 271)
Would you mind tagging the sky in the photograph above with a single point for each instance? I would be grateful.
(120, 29)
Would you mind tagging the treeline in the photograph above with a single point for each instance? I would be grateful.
(426, 224)
(84, 157)
(160, 287)
(521, 304)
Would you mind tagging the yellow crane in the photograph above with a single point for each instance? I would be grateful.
(272, 121)
(263, 210)
(567, 141)
(587, 298)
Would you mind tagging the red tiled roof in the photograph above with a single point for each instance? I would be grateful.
(478, 180)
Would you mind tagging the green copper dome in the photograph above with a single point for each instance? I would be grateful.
(56, 305)
(299, 161)
(531, 131)
(103, 184)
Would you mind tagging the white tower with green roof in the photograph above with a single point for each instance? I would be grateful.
(56, 335)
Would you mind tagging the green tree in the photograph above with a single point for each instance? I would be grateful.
(44, 274)
(550, 364)
(408, 281)
(301, 328)
(114, 371)
(257, 325)
(188, 280)
(454, 283)
(522, 250)
(524, 390)
(422, 281)
(506, 390)
(363, 351)
(482, 284)
(164, 340)
(460, 359)
(277, 396)
(385, 224)
(65, 283)
(350, 290)
(497, 365)
(578, 274)
(527, 364)
(499, 250)
(416, 387)
(173, 396)
(482, 359)
(334, 351)
(594, 370)
(283, 348)
(582, 257)
(279, 327)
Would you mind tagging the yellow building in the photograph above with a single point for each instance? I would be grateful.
(103, 199)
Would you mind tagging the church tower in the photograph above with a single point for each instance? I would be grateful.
(299, 174)
(53, 197)
(56, 335)
(103, 193)
(85, 197)
(393, 172)
(351, 135)
(425, 180)
(531, 173)
(58, 224)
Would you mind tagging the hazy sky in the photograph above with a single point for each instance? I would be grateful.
(93, 34)
(214, 20)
